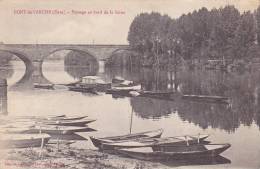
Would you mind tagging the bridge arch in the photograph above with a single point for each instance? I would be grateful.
(90, 67)
(28, 63)
(119, 59)
(117, 50)
(71, 49)
(29, 69)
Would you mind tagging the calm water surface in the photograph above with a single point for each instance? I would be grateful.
(237, 123)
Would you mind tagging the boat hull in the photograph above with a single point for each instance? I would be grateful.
(206, 98)
(58, 131)
(44, 86)
(177, 155)
(80, 123)
(24, 143)
(82, 89)
(155, 143)
(93, 88)
(158, 95)
(67, 118)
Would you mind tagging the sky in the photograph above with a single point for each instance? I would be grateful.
(78, 24)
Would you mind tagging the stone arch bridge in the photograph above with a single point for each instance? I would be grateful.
(33, 55)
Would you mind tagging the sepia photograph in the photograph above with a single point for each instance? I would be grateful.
(129, 84)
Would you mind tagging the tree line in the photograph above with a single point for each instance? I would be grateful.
(196, 37)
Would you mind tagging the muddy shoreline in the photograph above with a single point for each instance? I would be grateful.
(68, 157)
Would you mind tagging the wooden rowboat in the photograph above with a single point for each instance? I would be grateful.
(118, 80)
(46, 129)
(38, 117)
(69, 122)
(42, 118)
(124, 88)
(43, 86)
(155, 142)
(175, 152)
(58, 129)
(23, 140)
(67, 118)
(156, 94)
(206, 98)
(148, 134)
(82, 89)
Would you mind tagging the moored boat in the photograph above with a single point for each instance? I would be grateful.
(83, 89)
(175, 152)
(124, 90)
(117, 80)
(167, 95)
(48, 129)
(58, 117)
(90, 84)
(23, 140)
(39, 117)
(148, 134)
(206, 98)
(127, 86)
(82, 122)
(155, 142)
(67, 118)
(58, 129)
(43, 85)
(123, 87)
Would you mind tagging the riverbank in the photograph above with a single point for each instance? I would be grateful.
(74, 158)
(69, 158)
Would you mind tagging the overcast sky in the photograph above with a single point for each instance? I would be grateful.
(89, 28)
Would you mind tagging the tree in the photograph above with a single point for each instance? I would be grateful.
(224, 30)
(244, 36)
(201, 35)
(258, 24)
(147, 34)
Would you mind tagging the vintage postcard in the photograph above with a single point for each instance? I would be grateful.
(130, 84)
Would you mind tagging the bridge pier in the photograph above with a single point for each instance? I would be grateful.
(33, 74)
(37, 74)
(37, 67)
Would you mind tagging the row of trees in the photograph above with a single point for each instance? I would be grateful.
(196, 36)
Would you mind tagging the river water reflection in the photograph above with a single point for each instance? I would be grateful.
(237, 123)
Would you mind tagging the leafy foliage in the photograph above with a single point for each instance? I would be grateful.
(200, 35)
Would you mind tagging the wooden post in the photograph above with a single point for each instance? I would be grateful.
(58, 141)
(187, 141)
(131, 121)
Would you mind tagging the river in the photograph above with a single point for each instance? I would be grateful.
(237, 123)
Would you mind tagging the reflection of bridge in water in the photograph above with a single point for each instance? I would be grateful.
(33, 56)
